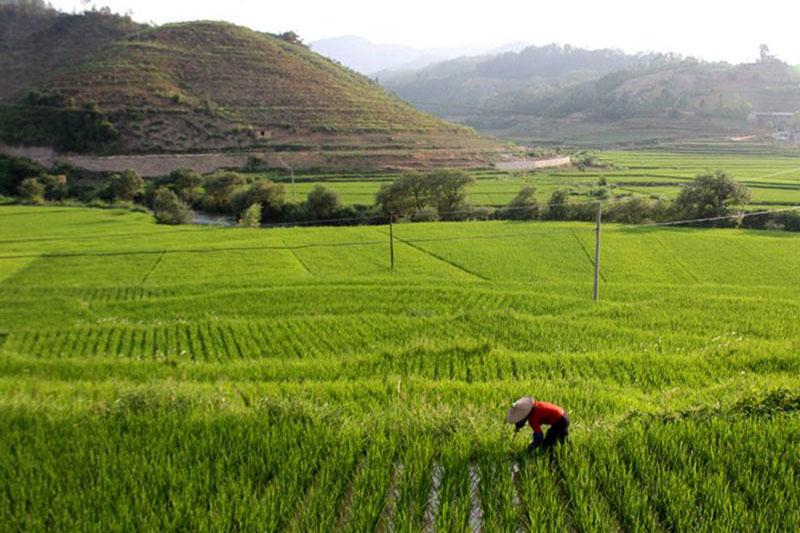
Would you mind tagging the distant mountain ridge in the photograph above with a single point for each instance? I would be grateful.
(557, 93)
(486, 80)
(371, 58)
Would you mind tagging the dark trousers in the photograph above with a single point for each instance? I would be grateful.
(557, 433)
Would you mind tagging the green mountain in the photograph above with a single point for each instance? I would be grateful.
(101, 83)
(488, 81)
(601, 96)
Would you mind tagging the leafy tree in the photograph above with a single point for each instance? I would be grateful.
(584, 159)
(169, 209)
(186, 183)
(55, 186)
(15, 169)
(448, 191)
(291, 37)
(268, 195)
(557, 208)
(322, 203)
(251, 217)
(443, 190)
(219, 190)
(523, 207)
(31, 191)
(634, 210)
(764, 56)
(125, 186)
(404, 196)
(710, 195)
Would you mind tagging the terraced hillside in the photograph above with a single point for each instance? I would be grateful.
(286, 379)
(101, 83)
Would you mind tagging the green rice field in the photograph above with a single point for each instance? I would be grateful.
(286, 379)
(774, 180)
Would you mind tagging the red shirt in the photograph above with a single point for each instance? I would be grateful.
(544, 413)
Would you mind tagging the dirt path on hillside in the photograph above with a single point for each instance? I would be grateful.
(533, 164)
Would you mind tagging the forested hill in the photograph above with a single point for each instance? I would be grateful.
(97, 82)
(562, 93)
(488, 80)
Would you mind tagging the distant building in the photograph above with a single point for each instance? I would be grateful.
(262, 134)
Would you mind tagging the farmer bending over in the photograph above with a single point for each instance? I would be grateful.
(537, 413)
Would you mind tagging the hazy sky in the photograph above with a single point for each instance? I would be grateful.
(712, 29)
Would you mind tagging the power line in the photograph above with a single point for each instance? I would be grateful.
(367, 220)
(487, 236)
(471, 211)
(376, 242)
(60, 255)
(423, 240)
(154, 251)
(713, 219)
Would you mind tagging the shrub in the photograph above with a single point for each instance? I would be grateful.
(523, 207)
(55, 187)
(584, 159)
(557, 208)
(634, 210)
(601, 193)
(790, 220)
(125, 186)
(270, 197)
(186, 183)
(291, 37)
(322, 203)
(256, 164)
(359, 214)
(428, 214)
(98, 203)
(169, 209)
(584, 211)
(710, 195)
(15, 169)
(251, 217)
(480, 212)
(219, 190)
(31, 191)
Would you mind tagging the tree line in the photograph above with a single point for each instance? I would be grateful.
(252, 200)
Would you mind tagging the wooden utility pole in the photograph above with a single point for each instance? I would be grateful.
(597, 254)
(391, 241)
(291, 173)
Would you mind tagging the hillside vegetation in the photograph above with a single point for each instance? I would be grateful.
(594, 96)
(287, 380)
(102, 83)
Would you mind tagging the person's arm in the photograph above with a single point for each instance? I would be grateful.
(538, 436)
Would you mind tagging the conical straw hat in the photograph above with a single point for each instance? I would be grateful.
(519, 410)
